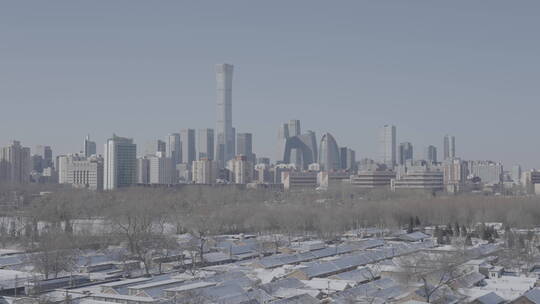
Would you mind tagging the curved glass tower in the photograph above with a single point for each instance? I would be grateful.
(329, 159)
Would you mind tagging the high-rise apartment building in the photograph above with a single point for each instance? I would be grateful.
(449, 147)
(430, 154)
(206, 144)
(187, 140)
(405, 152)
(120, 163)
(89, 147)
(455, 174)
(387, 145)
(241, 170)
(204, 171)
(15, 164)
(225, 134)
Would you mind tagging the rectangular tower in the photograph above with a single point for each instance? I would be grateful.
(120, 163)
(387, 145)
(187, 140)
(206, 144)
(225, 135)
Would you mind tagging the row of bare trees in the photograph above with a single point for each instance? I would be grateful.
(146, 220)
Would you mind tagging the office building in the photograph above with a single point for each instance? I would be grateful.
(187, 140)
(283, 135)
(174, 148)
(120, 163)
(294, 180)
(449, 147)
(516, 174)
(41, 159)
(89, 147)
(15, 164)
(263, 160)
(489, 172)
(329, 156)
(224, 129)
(387, 145)
(372, 179)
(80, 171)
(531, 181)
(206, 144)
(143, 170)
(294, 127)
(405, 153)
(424, 180)
(348, 159)
(160, 169)
(205, 171)
(430, 154)
(155, 146)
(244, 145)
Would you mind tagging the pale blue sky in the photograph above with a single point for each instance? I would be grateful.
(143, 69)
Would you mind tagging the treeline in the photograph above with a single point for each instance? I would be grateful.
(146, 220)
(252, 211)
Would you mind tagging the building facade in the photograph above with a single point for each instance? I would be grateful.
(449, 147)
(80, 171)
(387, 145)
(205, 171)
(430, 154)
(206, 144)
(405, 153)
(329, 156)
(15, 164)
(224, 129)
(120, 163)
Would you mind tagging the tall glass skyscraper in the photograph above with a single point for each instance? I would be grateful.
(225, 134)
(387, 145)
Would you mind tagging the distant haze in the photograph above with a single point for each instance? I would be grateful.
(143, 69)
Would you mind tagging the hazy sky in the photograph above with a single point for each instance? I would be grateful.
(143, 69)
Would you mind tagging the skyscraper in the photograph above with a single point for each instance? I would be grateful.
(449, 147)
(174, 148)
(206, 144)
(154, 146)
(430, 154)
(244, 145)
(120, 163)
(89, 147)
(405, 152)
(283, 134)
(348, 159)
(187, 140)
(329, 158)
(225, 135)
(46, 155)
(15, 164)
(294, 127)
(387, 145)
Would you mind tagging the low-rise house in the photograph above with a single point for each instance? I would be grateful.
(489, 298)
(530, 297)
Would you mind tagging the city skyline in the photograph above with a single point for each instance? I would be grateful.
(275, 79)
